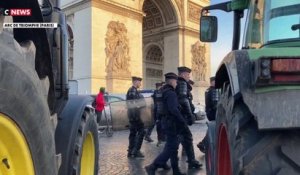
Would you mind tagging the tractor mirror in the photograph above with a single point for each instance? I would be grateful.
(208, 28)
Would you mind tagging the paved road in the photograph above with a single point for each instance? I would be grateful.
(114, 161)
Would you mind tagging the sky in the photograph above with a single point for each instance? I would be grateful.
(222, 46)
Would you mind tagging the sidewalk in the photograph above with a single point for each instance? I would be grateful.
(114, 161)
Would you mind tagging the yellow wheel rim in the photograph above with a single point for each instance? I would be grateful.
(15, 157)
(88, 155)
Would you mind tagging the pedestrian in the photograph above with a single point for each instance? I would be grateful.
(211, 100)
(100, 103)
(186, 111)
(157, 98)
(136, 125)
(172, 123)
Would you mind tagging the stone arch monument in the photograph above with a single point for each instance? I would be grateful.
(117, 39)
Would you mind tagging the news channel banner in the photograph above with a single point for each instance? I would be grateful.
(23, 12)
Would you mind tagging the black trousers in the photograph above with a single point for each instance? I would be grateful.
(186, 139)
(136, 136)
(170, 150)
(160, 133)
(99, 114)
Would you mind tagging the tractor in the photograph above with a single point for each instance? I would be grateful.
(257, 126)
(43, 129)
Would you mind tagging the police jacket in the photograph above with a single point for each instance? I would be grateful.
(171, 104)
(211, 99)
(190, 97)
(155, 97)
(158, 104)
(133, 94)
(183, 98)
(134, 104)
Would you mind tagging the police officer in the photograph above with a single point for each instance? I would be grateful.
(172, 124)
(157, 98)
(136, 125)
(185, 104)
(160, 114)
(211, 100)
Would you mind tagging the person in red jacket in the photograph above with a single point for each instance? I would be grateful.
(100, 103)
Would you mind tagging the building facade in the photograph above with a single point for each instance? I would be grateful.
(112, 40)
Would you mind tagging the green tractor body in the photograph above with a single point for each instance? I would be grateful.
(258, 115)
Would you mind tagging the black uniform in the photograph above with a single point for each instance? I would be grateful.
(190, 97)
(173, 122)
(183, 94)
(211, 100)
(186, 135)
(157, 115)
(137, 131)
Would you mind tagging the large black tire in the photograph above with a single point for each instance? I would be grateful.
(22, 100)
(77, 126)
(88, 125)
(253, 152)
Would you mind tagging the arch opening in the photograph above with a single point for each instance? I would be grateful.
(159, 17)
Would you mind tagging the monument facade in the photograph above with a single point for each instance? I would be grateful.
(113, 40)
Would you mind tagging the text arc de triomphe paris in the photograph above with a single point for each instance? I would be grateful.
(116, 39)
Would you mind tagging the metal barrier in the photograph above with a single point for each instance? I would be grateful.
(120, 112)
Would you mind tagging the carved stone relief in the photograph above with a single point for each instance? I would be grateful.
(199, 65)
(194, 11)
(117, 49)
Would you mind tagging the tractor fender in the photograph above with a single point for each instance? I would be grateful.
(69, 121)
(236, 70)
(272, 109)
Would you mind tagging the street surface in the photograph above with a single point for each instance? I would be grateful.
(114, 161)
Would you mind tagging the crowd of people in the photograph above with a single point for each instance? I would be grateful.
(173, 113)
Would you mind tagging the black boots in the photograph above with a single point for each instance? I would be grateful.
(164, 166)
(150, 169)
(176, 171)
(194, 164)
(202, 147)
(138, 154)
(135, 154)
(148, 138)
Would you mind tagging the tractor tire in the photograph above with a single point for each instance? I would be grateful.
(77, 140)
(86, 150)
(243, 149)
(24, 113)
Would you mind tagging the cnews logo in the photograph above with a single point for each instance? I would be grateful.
(15, 12)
